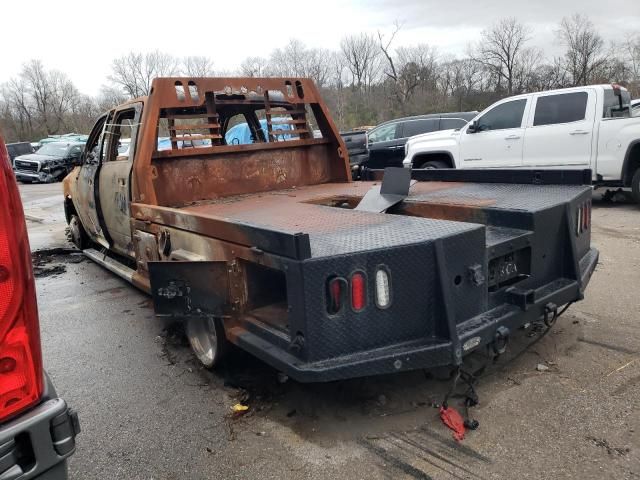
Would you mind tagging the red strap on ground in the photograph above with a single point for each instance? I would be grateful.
(452, 419)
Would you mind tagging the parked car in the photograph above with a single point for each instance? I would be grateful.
(51, 163)
(37, 429)
(17, 149)
(385, 143)
(271, 247)
(356, 143)
(575, 128)
(67, 138)
(635, 107)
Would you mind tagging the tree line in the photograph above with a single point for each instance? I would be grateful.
(368, 79)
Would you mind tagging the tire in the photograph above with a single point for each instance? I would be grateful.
(434, 164)
(79, 235)
(635, 186)
(207, 339)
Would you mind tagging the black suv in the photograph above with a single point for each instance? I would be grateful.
(51, 163)
(17, 149)
(386, 142)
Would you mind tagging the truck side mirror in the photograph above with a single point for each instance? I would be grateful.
(473, 127)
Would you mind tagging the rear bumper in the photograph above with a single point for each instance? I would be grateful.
(36, 444)
(474, 333)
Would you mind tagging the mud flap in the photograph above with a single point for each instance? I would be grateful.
(182, 289)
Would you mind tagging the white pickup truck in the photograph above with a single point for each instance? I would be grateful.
(578, 128)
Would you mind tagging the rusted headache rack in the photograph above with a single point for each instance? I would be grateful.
(198, 111)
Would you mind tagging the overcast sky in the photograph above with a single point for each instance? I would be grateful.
(82, 37)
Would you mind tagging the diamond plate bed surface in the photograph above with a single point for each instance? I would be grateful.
(332, 230)
(497, 195)
(335, 231)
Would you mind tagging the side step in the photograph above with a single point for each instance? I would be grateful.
(110, 264)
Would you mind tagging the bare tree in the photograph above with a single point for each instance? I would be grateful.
(407, 68)
(631, 48)
(296, 60)
(585, 48)
(197, 66)
(41, 102)
(361, 54)
(501, 49)
(254, 67)
(134, 72)
(109, 97)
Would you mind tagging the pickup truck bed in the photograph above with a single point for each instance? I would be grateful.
(333, 230)
(433, 243)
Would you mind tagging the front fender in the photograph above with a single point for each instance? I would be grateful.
(447, 146)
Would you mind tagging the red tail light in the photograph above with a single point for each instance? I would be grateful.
(586, 216)
(20, 354)
(335, 293)
(358, 291)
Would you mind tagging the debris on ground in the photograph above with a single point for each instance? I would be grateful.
(239, 409)
(541, 367)
(601, 442)
(454, 421)
(50, 262)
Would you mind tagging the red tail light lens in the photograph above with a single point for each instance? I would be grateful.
(20, 354)
(335, 294)
(583, 218)
(358, 291)
(586, 221)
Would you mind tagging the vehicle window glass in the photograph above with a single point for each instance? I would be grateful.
(95, 139)
(617, 106)
(506, 115)
(562, 108)
(121, 131)
(449, 123)
(54, 149)
(383, 133)
(416, 127)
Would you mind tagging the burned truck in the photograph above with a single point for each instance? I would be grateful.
(270, 245)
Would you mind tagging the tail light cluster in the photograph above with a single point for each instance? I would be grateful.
(21, 372)
(355, 289)
(583, 217)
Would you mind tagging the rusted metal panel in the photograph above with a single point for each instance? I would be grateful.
(215, 98)
(181, 181)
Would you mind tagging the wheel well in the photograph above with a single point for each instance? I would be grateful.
(69, 209)
(420, 160)
(632, 164)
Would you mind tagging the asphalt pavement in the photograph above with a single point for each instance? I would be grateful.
(148, 411)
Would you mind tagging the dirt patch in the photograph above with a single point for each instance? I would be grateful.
(52, 262)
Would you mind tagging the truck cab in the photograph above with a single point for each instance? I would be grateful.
(574, 128)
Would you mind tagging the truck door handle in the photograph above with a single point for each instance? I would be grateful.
(121, 182)
(579, 132)
(512, 137)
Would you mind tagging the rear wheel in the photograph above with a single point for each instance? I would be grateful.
(635, 186)
(207, 339)
(434, 164)
(79, 236)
